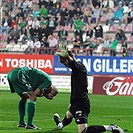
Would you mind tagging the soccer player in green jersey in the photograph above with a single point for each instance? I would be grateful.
(30, 83)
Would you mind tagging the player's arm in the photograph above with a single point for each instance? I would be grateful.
(38, 92)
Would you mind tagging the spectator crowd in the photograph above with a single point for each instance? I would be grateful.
(41, 25)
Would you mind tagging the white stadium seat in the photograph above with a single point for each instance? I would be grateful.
(23, 47)
(9, 47)
(16, 47)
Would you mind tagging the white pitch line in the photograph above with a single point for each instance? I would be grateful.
(110, 116)
(88, 117)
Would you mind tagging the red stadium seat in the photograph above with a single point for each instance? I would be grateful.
(103, 19)
(112, 29)
(59, 18)
(69, 38)
(35, 1)
(72, 28)
(58, 28)
(121, 27)
(67, 27)
(129, 39)
(128, 28)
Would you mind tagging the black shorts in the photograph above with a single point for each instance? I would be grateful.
(80, 111)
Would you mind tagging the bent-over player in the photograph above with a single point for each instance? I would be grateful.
(30, 83)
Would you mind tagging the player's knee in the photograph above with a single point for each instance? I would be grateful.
(81, 120)
(33, 98)
(68, 114)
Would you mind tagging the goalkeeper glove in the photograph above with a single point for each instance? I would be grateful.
(63, 46)
(63, 54)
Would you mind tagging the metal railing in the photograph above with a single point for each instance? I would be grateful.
(75, 51)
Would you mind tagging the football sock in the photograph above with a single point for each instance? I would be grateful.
(21, 109)
(108, 128)
(95, 129)
(31, 105)
(66, 121)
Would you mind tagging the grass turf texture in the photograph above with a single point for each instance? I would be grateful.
(104, 110)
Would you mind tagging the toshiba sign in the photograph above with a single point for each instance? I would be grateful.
(10, 61)
(112, 85)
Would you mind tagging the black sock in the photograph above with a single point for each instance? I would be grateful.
(95, 129)
(66, 121)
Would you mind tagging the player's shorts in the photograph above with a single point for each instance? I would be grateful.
(18, 81)
(80, 111)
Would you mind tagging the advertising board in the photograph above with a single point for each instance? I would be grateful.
(10, 61)
(50, 64)
(100, 65)
(113, 85)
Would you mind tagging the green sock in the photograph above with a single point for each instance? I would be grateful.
(30, 105)
(21, 109)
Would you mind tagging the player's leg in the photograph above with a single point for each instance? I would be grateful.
(66, 121)
(98, 129)
(21, 109)
(81, 119)
(31, 106)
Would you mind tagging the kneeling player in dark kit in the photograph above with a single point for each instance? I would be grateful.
(79, 108)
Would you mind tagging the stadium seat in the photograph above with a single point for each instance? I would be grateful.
(23, 47)
(129, 39)
(2, 47)
(20, 39)
(69, 38)
(121, 27)
(59, 18)
(9, 47)
(98, 50)
(72, 28)
(105, 28)
(58, 28)
(85, 28)
(73, 38)
(103, 19)
(35, 1)
(128, 28)
(112, 29)
(67, 27)
(118, 48)
(70, 46)
(16, 47)
(2, 37)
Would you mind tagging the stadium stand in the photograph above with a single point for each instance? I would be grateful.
(107, 29)
(23, 47)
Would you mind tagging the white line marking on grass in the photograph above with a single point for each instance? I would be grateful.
(89, 117)
(110, 116)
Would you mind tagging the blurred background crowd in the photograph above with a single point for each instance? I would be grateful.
(88, 27)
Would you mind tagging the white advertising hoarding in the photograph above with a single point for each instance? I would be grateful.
(62, 82)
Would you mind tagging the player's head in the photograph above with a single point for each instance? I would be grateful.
(51, 92)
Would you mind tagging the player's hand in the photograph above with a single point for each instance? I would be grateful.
(63, 46)
(63, 54)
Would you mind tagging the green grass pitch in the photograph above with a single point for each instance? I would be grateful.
(104, 110)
